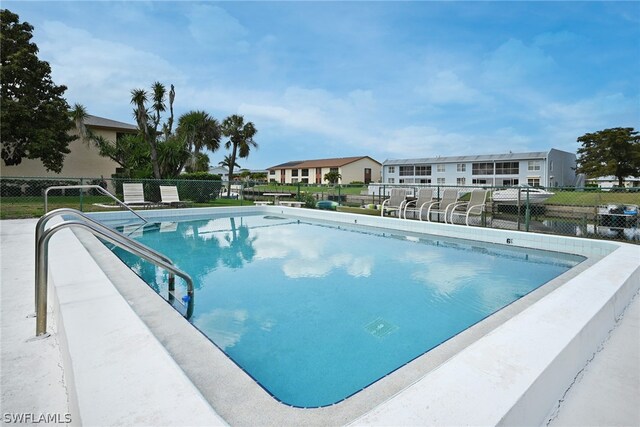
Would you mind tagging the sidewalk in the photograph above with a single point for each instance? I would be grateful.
(607, 393)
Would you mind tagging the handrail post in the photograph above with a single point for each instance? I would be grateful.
(81, 197)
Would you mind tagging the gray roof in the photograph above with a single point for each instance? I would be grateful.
(101, 122)
(462, 159)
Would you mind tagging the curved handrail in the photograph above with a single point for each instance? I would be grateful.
(42, 222)
(88, 186)
(106, 234)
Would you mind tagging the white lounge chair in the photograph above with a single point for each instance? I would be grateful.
(134, 195)
(425, 197)
(475, 206)
(169, 196)
(395, 203)
(449, 197)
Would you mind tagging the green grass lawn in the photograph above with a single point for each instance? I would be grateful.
(33, 207)
(582, 198)
(279, 188)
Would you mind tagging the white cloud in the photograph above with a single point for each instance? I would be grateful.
(100, 72)
(446, 87)
(514, 63)
(214, 29)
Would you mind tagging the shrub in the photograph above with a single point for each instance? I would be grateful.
(200, 176)
(200, 187)
(10, 189)
(309, 200)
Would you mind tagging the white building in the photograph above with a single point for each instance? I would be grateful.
(554, 168)
(611, 181)
(220, 170)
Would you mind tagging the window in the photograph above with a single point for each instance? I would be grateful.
(461, 167)
(272, 172)
(534, 182)
(406, 170)
(391, 169)
(479, 181)
(507, 168)
(482, 168)
(294, 172)
(550, 165)
(391, 180)
(534, 165)
(406, 180)
(461, 181)
(440, 168)
(423, 170)
(440, 181)
(333, 170)
(508, 182)
(424, 181)
(294, 180)
(305, 172)
(305, 180)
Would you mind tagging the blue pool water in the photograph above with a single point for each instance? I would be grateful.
(315, 312)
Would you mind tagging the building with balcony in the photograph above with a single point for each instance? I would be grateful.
(554, 168)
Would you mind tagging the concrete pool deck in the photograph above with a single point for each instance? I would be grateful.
(34, 379)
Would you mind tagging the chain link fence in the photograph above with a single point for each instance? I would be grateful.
(585, 212)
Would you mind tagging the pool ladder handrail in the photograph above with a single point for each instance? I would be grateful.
(88, 186)
(42, 222)
(113, 237)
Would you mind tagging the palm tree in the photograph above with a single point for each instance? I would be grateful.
(226, 163)
(139, 100)
(200, 131)
(79, 115)
(240, 139)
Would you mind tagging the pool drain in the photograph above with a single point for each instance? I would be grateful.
(380, 328)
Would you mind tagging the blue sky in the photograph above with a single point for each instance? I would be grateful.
(332, 79)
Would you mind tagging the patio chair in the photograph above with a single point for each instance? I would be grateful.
(449, 197)
(134, 195)
(395, 203)
(475, 206)
(425, 197)
(169, 196)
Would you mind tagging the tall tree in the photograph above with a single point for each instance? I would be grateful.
(613, 151)
(199, 131)
(240, 141)
(148, 119)
(34, 120)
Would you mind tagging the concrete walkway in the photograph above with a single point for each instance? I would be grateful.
(32, 377)
(607, 392)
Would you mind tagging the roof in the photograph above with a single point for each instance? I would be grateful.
(320, 163)
(101, 122)
(477, 158)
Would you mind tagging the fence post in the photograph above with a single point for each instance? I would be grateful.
(298, 195)
(81, 196)
(527, 215)
(339, 198)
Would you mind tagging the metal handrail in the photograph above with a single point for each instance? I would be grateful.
(42, 222)
(107, 234)
(88, 186)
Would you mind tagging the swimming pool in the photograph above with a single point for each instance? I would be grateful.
(316, 310)
(125, 348)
